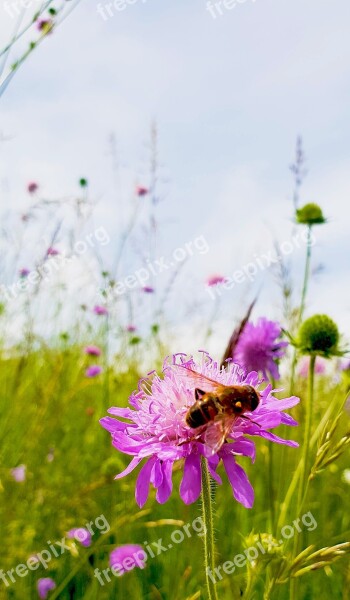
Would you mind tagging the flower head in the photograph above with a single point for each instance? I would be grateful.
(19, 473)
(52, 251)
(320, 366)
(93, 371)
(310, 214)
(45, 26)
(141, 190)
(259, 347)
(148, 289)
(23, 273)
(44, 586)
(131, 328)
(215, 280)
(319, 335)
(32, 187)
(92, 350)
(127, 557)
(155, 429)
(100, 310)
(81, 535)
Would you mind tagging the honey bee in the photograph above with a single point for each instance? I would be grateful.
(217, 406)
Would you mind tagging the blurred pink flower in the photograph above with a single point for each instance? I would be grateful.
(93, 350)
(127, 557)
(52, 251)
(19, 473)
(141, 190)
(93, 371)
(32, 187)
(320, 366)
(131, 328)
(44, 586)
(81, 535)
(100, 310)
(215, 280)
(148, 289)
(45, 25)
(24, 273)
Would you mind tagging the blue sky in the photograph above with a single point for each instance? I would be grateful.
(229, 95)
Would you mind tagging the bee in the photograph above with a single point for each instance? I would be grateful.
(217, 406)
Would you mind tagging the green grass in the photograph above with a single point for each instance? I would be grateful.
(48, 407)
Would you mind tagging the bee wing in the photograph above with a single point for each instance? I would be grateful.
(197, 379)
(217, 432)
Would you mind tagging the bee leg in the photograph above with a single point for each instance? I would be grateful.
(249, 419)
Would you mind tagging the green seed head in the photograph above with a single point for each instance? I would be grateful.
(83, 182)
(310, 214)
(319, 335)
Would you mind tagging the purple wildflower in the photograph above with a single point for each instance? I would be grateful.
(148, 289)
(19, 473)
(92, 350)
(158, 430)
(141, 190)
(80, 534)
(93, 371)
(52, 251)
(320, 366)
(23, 273)
(258, 348)
(215, 280)
(45, 585)
(100, 310)
(131, 328)
(127, 557)
(32, 187)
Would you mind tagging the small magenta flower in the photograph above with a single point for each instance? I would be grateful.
(92, 350)
(100, 310)
(23, 273)
(45, 26)
(126, 558)
(131, 328)
(148, 289)
(155, 429)
(52, 251)
(32, 187)
(141, 190)
(44, 586)
(81, 535)
(259, 348)
(215, 280)
(93, 371)
(320, 366)
(19, 473)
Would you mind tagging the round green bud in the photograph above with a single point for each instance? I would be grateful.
(83, 182)
(310, 214)
(319, 335)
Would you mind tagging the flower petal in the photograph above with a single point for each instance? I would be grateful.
(241, 487)
(131, 466)
(191, 483)
(166, 486)
(143, 481)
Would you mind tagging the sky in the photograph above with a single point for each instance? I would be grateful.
(229, 95)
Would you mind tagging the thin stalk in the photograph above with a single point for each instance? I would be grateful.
(271, 488)
(303, 482)
(302, 301)
(209, 550)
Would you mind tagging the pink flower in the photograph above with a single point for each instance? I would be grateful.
(100, 310)
(155, 428)
(23, 273)
(320, 366)
(52, 251)
(215, 280)
(19, 473)
(93, 371)
(45, 26)
(148, 289)
(32, 187)
(81, 535)
(141, 190)
(131, 328)
(259, 348)
(92, 350)
(44, 586)
(127, 557)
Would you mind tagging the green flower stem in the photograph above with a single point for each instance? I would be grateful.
(271, 488)
(303, 482)
(302, 301)
(209, 550)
